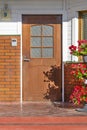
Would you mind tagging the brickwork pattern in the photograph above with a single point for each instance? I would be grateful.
(9, 69)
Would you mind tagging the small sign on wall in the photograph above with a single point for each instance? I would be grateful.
(14, 42)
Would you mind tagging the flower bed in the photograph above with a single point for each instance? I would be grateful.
(79, 71)
(79, 95)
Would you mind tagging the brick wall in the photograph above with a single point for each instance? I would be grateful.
(69, 81)
(9, 69)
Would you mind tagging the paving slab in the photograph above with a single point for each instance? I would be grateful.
(38, 109)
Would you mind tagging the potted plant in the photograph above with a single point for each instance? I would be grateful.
(80, 49)
(79, 94)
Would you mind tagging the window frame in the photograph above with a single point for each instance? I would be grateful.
(81, 13)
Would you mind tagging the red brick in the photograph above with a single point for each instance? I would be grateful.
(9, 69)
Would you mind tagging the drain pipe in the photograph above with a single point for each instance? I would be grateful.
(62, 81)
(21, 73)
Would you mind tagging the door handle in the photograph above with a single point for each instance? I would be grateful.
(26, 59)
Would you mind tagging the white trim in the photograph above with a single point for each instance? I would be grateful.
(74, 32)
(75, 27)
(64, 47)
(64, 37)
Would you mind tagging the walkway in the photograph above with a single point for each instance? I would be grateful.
(41, 116)
(38, 109)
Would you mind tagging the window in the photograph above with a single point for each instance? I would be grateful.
(41, 41)
(83, 25)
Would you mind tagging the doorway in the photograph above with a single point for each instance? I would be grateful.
(41, 53)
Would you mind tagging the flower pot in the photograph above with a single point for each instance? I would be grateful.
(84, 109)
(85, 81)
(85, 58)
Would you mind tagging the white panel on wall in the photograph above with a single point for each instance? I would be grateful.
(8, 28)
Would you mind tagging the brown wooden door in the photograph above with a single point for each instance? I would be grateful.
(41, 50)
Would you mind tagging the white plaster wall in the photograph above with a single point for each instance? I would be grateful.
(19, 7)
(33, 4)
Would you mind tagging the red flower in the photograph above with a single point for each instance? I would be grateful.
(81, 49)
(79, 42)
(79, 95)
(72, 48)
(79, 71)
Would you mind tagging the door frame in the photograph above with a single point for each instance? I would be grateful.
(62, 64)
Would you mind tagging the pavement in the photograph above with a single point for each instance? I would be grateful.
(41, 116)
(29, 109)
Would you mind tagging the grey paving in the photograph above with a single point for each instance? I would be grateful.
(38, 109)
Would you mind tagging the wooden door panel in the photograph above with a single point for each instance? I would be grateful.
(34, 85)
